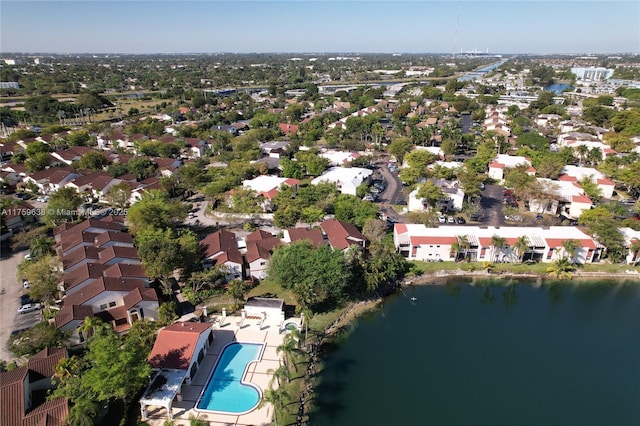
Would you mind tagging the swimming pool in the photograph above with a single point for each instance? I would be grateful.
(225, 392)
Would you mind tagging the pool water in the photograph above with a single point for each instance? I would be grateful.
(224, 391)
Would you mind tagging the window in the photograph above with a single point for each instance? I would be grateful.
(112, 304)
(103, 307)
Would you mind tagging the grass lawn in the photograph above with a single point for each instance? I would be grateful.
(270, 288)
(517, 268)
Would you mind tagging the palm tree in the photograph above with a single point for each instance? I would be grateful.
(595, 156)
(488, 266)
(288, 347)
(521, 246)
(498, 243)
(277, 397)
(463, 245)
(280, 374)
(89, 327)
(561, 269)
(570, 248)
(66, 369)
(82, 412)
(583, 153)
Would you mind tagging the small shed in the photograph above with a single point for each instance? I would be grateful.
(271, 308)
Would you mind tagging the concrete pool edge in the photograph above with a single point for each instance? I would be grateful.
(242, 380)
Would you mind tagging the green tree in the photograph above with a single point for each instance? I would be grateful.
(561, 269)
(118, 367)
(35, 339)
(155, 210)
(63, 207)
(521, 246)
(498, 243)
(399, 147)
(236, 290)
(431, 194)
(79, 138)
(315, 276)
(141, 168)
(287, 217)
(38, 161)
(92, 160)
(167, 313)
(570, 249)
(44, 276)
(119, 195)
(354, 210)
(41, 247)
(163, 252)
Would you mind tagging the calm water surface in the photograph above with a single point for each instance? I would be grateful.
(464, 355)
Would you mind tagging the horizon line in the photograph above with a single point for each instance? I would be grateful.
(321, 53)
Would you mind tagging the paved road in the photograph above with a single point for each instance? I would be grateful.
(391, 193)
(491, 204)
(9, 302)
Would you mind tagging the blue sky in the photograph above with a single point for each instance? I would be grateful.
(208, 26)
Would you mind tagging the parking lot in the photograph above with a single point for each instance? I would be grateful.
(10, 291)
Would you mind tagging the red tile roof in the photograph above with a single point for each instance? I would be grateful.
(175, 345)
(83, 273)
(101, 285)
(261, 249)
(401, 228)
(76, 256)
(581, 199)
(222, 243)
(126, 270)
(432, 240)
(72, 312)
(341, 235)
(259, 235)
(12, 392)
(110, 253)
(313, 235)
(557, 242)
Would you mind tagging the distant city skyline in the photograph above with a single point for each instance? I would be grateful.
(147, 27)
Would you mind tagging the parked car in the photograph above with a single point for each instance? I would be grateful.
(26, 284)
(460, 220)
(25, 299)
(29, 307)
(27, 257)
(539, 216)
(451, 219)
(442, 219)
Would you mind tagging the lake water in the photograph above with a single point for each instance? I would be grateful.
(489, 355)
(557, 88)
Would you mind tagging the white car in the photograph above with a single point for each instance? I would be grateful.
(442, 219)
(27, 257)
(30, 307)
(451, 219)
(26, 284)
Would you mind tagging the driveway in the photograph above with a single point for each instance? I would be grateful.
(10, 292)
(491, 204)
(391, 193)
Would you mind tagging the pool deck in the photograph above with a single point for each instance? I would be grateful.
(257, 374)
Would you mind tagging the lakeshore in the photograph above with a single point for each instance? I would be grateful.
(538, 326)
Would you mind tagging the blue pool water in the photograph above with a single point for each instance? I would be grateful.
(224, 391)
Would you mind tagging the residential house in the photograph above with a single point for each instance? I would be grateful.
(176, 355)
(259, 246)
(575, 174)
(504, 161)
(314, 236)
(268, 186)
(338, 158)
(51, 179)
(221, 248)
(347, 180)
(631, 238)
(417, 242)
(24, 391)
(288, 129)
(451, 189)
(564, 197)
(342, 235)
(102, 273)
(71, 154)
